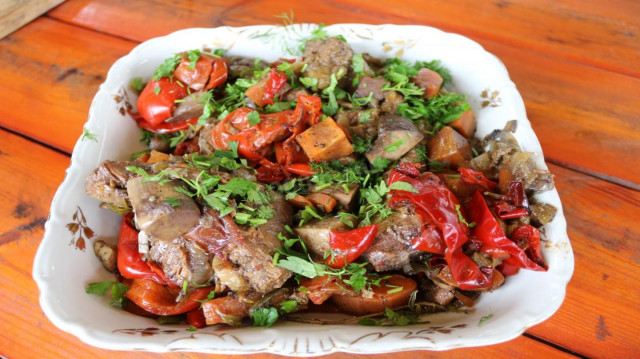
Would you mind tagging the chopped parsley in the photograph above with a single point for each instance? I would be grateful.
(117, 290)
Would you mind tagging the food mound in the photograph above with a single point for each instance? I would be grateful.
(335, 182)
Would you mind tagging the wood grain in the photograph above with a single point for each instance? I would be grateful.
(570, 105)
(16, 13)
(600, 307)
(50, 72)
(602, 34)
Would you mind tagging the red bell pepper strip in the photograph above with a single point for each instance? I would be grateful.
(196, 318)
(439, 203)
(207, 73)
(130, 262)
(495, 243)
(263, 93)
(469, 176)
(301, 169)
(293, 154)
(219, 73)
(348, 246)
(161, 300)
(157, 100)
(269, 174)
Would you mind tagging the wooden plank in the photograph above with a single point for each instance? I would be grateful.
(19, 305)
(50, 72)
(600, 309)
(602, 34)
(16, 13)
(579, 120)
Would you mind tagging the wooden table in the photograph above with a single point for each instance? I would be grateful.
(576, 63)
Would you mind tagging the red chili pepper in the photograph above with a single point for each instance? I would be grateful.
(495, 243)
(161, 300)
(430, 240)
(530, 235)
(439, 203)
(130, 262)
(157, 100)
(469, 176)
(301, 169)
(196, 318)
(348, 246)
(514, 204)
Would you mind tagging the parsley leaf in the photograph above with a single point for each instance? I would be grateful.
(167, 67)
(254, 118)
(484, 319)
(136, 83)
(117, 290)
(404, 186)
(173, 201)
(87, 135)
(265, 317)
(462, 219)
(357, 63)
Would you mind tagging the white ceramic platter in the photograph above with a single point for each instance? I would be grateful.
(62, 269)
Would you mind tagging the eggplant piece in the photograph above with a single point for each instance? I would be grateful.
(542, 213)
(396, 136)
(316, 234)
(369, 85)
(522, 166)
(188, 108)
(449, 147)
(160, 210)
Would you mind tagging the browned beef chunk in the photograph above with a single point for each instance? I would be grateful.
(326, 57)
(392, 247)
(108, 182)
(369, 85)
(433, 293)
(182, 260)
(391, 101)
(249, 250)
(292, 94)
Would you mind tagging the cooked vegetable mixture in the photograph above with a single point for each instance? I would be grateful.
(332, 182)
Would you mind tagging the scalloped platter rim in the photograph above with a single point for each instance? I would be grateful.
(65, 264)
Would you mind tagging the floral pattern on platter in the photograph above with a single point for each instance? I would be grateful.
(80, 231)
(491, 98)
